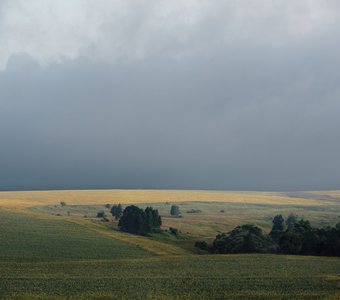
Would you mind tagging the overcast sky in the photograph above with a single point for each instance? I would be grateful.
(241, 95)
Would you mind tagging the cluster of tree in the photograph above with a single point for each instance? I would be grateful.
(303, 239)
(293, 236)
(138, 221)
(174, 211)
(243, 239)
(116, 211)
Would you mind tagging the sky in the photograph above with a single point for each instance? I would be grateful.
(227, 95)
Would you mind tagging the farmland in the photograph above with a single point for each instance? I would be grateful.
(200, 277)
(52, 252)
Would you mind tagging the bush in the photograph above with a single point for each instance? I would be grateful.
(62, 203)
(101, 214)
(173, 231)
(174, 211)
(117, 211)
(201, 245)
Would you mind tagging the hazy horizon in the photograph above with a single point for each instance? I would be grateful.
(170, 95)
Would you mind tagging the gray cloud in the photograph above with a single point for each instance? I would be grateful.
(159, 95)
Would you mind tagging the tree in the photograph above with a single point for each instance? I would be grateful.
(291, 220)
(116, 211)
(113, 210)
(62, 203)
(292, 241)
(119, 211)
(278, 227)
(289, 242)
(248, 244)
(138, 221)
(174, 211)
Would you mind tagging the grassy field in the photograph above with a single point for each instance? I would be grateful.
(29, 239)
(188, 277)
(214, 216)
(45, 256)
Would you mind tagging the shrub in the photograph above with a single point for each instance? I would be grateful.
(174, 211)
(173, 231)
(201, 245)
(101, 214)
(117, 211)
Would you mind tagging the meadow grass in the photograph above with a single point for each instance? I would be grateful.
(25, 238)
(181, 277)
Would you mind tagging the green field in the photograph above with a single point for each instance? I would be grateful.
(192, 277)
(28, 239)
(46, 256)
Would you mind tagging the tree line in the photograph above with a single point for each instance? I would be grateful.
(291, 236)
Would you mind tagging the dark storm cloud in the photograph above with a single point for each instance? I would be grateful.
(251, 111)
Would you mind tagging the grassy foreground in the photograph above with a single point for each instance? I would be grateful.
(43, 256)
(183, 277)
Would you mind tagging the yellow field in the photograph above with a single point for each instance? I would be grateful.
(73, 197)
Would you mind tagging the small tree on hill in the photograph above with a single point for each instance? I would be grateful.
(174, 211)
